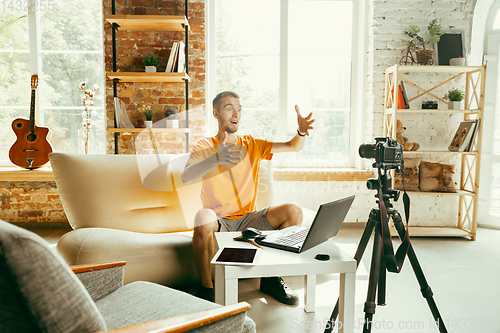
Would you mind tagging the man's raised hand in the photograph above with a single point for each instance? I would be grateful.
(304, 123)
(226, 154)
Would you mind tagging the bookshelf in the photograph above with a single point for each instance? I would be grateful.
(149, 23)
(469, 162)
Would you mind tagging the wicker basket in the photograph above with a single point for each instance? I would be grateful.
(425, 57)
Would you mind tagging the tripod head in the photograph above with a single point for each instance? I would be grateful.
(388, 155)
(384, 181)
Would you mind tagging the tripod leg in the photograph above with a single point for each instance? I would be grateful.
(381, 284)
(370, 305)
(424, 287)
(365, 238)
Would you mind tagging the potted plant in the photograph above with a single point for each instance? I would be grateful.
(455, 97)
(148, 113)
(171, 120)
(151, 62)
(419, 43)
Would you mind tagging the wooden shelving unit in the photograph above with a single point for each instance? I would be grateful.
(469, 161)
(150, 23)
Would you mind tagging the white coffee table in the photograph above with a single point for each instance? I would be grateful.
(275, 262)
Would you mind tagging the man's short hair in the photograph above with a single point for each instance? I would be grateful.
(217, 100)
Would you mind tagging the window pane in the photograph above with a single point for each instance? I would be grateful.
(72, 25)
(256, 80)
(328, 144)
(318, 76)
(62, 74)
(15, 79)
(312, 22)
(243, 26)
(65, 125)
(319, 79)
(247, 61)
(16, 36)
(72, 42)
(15, 89)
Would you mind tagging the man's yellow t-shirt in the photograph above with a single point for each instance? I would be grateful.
(230, 190)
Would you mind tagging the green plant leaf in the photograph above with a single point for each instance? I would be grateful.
(151, 60)
(455, 95)
(434, 39)
(414, 29)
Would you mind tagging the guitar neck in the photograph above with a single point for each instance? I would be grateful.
(32, 111)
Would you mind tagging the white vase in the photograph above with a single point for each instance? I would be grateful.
(454, 105)
(149, 123)
(84, 142)
(172, 123)
(150, 69)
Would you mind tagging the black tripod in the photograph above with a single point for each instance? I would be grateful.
(378, 268)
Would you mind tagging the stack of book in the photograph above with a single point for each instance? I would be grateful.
(402, 98)
(177, 59)
(464, 137)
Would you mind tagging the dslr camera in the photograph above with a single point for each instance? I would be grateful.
(386, 151)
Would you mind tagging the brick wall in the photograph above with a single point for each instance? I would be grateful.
(30, 202)
(132, 46)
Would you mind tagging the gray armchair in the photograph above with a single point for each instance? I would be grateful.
(40, 293)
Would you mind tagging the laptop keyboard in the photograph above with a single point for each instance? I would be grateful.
(292, 239)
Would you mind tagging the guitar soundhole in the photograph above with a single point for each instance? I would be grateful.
(31, 137)
(18, 125)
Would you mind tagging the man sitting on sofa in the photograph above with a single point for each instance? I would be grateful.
(228, 165)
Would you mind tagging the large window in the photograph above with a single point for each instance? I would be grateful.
(279, 53)
(62, 42)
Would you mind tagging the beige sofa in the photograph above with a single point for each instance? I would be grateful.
(134, 208)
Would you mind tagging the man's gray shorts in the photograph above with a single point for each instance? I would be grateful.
(257, 220)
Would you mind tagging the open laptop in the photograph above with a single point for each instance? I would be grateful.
(326, 225)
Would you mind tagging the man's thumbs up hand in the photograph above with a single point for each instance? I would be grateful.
(226, 154)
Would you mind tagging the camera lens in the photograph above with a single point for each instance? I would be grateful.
(367, 150)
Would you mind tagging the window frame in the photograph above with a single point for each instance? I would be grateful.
(358, 75)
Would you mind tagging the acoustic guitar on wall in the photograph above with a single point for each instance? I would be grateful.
(31, 149)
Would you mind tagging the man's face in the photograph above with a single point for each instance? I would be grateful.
(229, 114)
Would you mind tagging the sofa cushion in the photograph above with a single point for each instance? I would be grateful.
(38, 289)
(140, 302)
(167, 259)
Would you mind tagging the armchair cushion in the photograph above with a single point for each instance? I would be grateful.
(38, 291)
(117, 311)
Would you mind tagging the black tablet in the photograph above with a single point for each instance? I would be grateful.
(236, 256)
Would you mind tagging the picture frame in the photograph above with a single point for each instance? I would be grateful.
(450, 45)
(463, 135)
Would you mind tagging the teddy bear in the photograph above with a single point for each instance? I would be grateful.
(403, 140)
